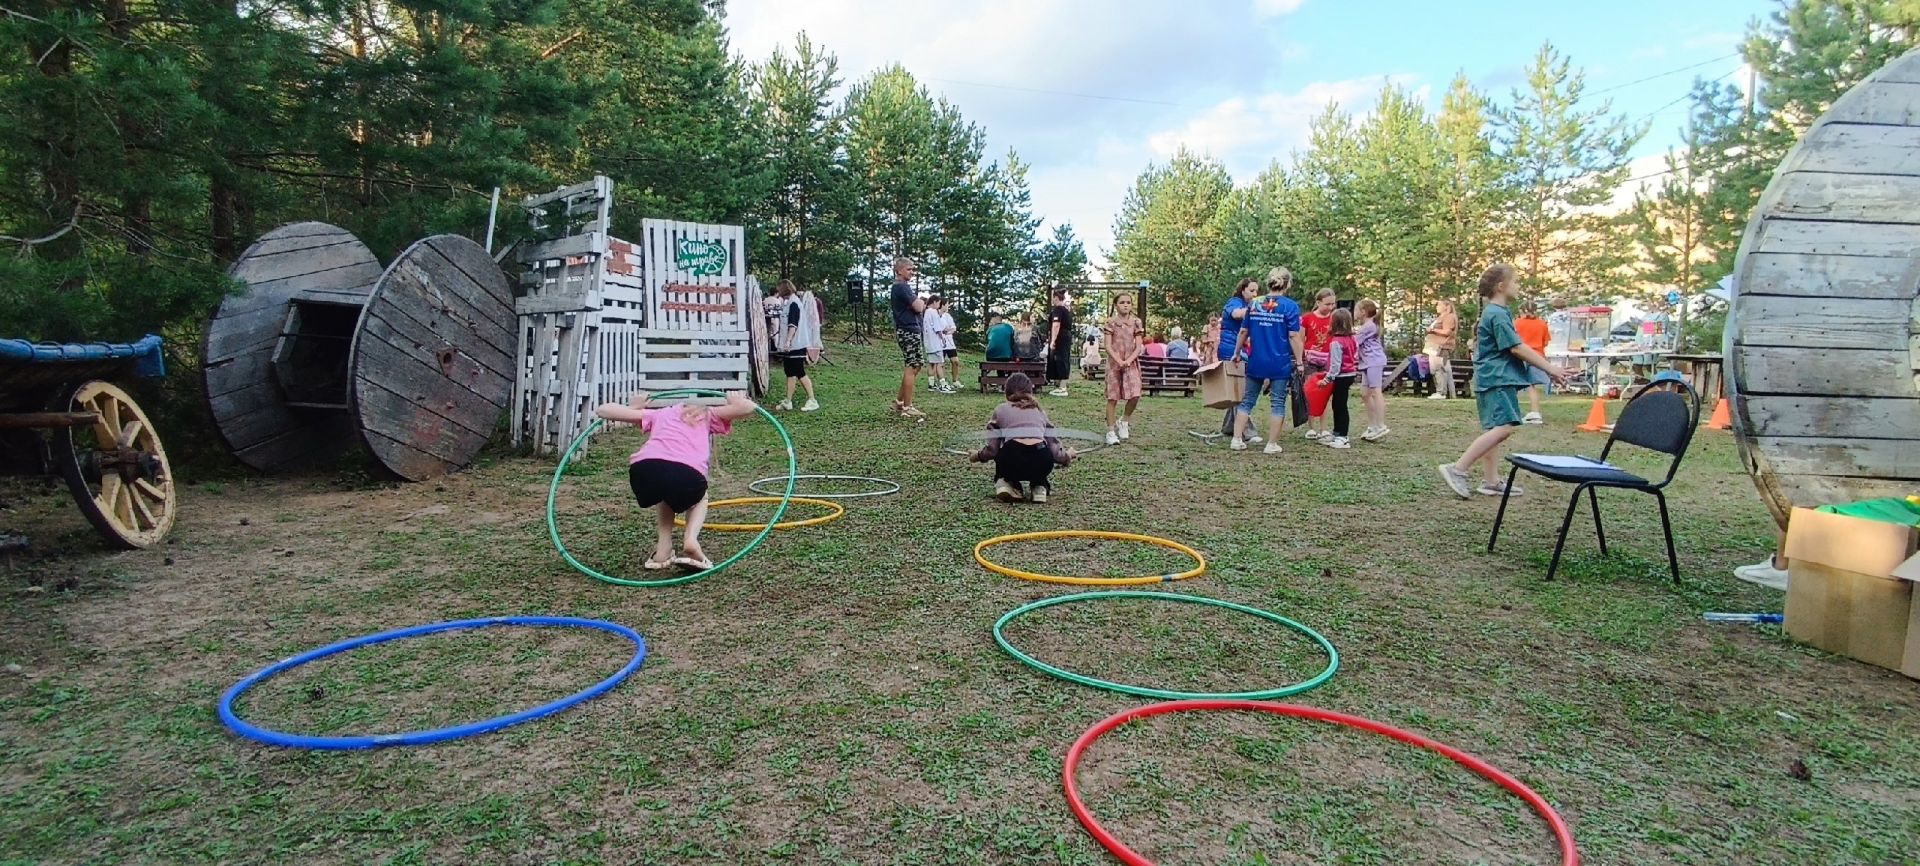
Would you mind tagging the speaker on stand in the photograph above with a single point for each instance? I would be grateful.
(857, 302)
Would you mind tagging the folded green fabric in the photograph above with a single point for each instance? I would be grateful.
(1905, 512)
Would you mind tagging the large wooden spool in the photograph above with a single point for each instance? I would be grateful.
(326, 349)
(1824, 336)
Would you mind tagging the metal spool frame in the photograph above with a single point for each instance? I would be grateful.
(325, 348)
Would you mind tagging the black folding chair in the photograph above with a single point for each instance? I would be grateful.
(1655, 419)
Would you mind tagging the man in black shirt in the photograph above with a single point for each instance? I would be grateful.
(1060, 342)
(907, 308)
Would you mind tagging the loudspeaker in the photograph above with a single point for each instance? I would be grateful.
(856, 292)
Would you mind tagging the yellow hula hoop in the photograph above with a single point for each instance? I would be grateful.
(838, 512)
(979, 555)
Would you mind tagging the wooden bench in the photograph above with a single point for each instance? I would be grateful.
(993, 374)
(1401, 376)
(1095, 372)
(1169, 375)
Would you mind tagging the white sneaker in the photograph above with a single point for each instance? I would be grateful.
(785, 406)
(1237, 445)
(1313, 434)
(1058, 392)
(1272, 448)
(1004, 490)
(1336, 442)
(1113, 437)
(1436, 396)
(1375, 434)
(1456, 481)
(1533, 418)
(1764, 574)
(1254, 439)
(1124, 433)
(812, 406)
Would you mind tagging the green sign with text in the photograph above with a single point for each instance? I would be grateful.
(700, 258)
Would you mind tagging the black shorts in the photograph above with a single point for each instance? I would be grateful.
(950, 353)
(795, 364)
(678, 485)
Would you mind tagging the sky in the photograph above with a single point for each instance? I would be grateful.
(1089, 92)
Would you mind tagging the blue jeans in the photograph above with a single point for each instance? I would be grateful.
(1276, 400)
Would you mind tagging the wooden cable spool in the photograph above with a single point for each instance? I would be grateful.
(325, 348)
(1823, 340)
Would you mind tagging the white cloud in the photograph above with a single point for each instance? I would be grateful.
(1276, 8)
(1246, 134)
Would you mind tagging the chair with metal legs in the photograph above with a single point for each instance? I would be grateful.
(1657, 419)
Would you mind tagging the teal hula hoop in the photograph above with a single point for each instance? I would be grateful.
(1333, 655)
(553, 494)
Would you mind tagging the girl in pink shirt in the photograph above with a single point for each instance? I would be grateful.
(669, 472)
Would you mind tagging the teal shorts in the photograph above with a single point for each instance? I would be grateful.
(1499, 407)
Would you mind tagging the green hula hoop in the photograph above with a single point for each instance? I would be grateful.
(1333, 655)
(553, 493)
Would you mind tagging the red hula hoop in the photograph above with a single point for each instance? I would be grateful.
(1569, 855)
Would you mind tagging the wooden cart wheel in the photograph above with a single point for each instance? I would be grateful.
(116, 467)
(759, 350)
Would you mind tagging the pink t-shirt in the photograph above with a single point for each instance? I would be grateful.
(672, 438)
(1156, 350)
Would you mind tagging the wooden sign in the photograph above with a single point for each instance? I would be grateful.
(697, 308)
(684, 289)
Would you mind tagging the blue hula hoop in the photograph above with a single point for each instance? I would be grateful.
(437, 735)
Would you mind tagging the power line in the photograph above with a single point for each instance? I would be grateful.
(1662, 74)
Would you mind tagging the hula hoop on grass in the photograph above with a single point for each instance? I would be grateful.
(891, 487)
(1199, 567)
(838, 512)
(1569, 853)
(971, 440)
(1333, 655)
(553, 493)
(436, 735)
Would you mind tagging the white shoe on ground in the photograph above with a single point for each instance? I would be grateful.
(1375, 434)
(1436, 396)
(1254, 439)
(1272, 448)
(1336, 442)
(1533, 418)
(1113, 437)
(1004, 490)
(1313, 435)
(1764, 574)
(1456, 481)
(812, 406)
(1124, 432)
(1237, 445)
(784, 406)
(1058, 392)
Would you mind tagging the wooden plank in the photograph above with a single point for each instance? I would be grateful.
(1824, 372)
(726, 336)
(537, 305)
(474, 290)
(1839, 238)
(406, 461)
(472, 371)
(240, 372)
(342, 270)
(588, 243)
(429, 407)
(412, 292)
(1843, 457)
(1814, 322)
(1793, 274)
(734, 364)
(1808, 491)
(1860, 149)
(1890, 102)
(1819, 416)
(1848, 197)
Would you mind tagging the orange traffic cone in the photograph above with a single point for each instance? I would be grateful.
(1596, 417)
(1722, 419)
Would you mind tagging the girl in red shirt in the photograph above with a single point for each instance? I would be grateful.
(1316, 330)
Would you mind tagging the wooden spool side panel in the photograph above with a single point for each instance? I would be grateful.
(431, 366)
(1824, 354)
(245, 402)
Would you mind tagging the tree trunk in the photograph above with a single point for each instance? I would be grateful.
(57, 159)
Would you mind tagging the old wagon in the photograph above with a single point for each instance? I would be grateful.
(59, 415)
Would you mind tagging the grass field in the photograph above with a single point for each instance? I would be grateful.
(836, 696)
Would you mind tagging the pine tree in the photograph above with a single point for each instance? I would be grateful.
(1566, 162)
(1474, 229)
(802, 229)
(1166, 233)
(1398, 192)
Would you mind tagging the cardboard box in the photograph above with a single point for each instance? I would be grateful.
(1849, 589)
(1222, 384)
